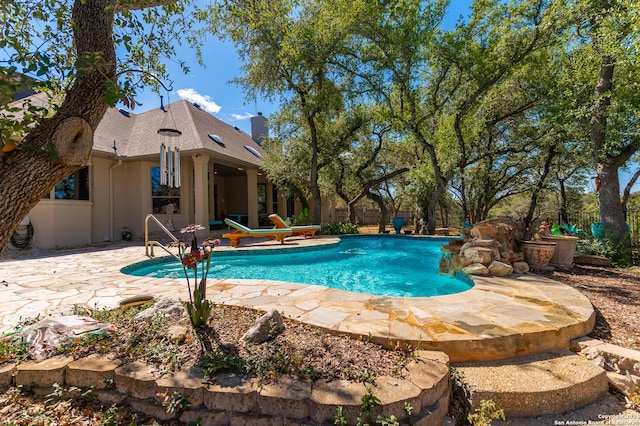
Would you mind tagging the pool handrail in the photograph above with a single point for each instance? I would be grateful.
(150, 243)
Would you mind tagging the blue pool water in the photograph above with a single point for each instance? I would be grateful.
(380, 265)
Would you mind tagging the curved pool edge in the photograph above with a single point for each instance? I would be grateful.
(499, 318)
(463, 282)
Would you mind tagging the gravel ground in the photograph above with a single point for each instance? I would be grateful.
(615, 295)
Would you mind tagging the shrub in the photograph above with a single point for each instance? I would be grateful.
(620, 255)
(337, 228)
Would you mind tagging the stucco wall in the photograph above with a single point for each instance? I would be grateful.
(100, 192)
(61, 223)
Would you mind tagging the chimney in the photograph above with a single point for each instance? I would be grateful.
(259, 128)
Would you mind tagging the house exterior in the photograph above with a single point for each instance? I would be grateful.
(219, 176)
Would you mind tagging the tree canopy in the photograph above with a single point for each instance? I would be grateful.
(519, 99)
(81, 57)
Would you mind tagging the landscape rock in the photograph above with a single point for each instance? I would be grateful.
(479, 254)
(494, 240)
(177, 334)
(476, 269)
(500, 269)
(520, 267)
(267, 326)
(164, 307)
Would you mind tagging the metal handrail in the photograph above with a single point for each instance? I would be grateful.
(148, 243)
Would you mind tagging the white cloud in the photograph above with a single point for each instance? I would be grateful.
(203, 100)
(241, 116)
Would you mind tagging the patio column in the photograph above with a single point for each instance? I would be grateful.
(201, 191)
(252, 197)
(270, 199)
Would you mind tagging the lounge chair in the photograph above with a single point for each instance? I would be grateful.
(306, 230)
(242, 231)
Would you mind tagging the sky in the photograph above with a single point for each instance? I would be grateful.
(211, 87)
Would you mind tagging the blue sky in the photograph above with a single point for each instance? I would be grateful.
(211, 86)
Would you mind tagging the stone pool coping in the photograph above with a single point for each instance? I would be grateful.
(498, 318)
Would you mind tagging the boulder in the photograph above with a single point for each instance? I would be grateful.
(500, 269)
(268, 326)
(520, 267)
(164, 307)
(177, 334)
(494, 240)
(484, 231)
(476, 269)
(479, 254)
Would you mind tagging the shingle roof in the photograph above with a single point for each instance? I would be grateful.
(137, 135)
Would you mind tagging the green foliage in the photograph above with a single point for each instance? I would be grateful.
(485, 413)
(303, 218)
(39, 43)
(216, 362)
(13, 349)
(340, 419)
(178, 403)
(199, 257)
(369, 402)
(619, 254)
(198, 309)
(337, 228)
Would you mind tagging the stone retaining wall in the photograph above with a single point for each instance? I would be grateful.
(232, 400)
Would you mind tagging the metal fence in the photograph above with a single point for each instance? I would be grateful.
(368, 216)
(584, 221)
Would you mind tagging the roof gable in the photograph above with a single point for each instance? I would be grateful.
(137, 135)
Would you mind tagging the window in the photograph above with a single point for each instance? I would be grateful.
(74, 186)
(262, 198)
(165, 199)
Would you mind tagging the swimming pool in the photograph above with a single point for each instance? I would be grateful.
(380, 265)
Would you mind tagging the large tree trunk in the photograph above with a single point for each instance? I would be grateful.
(28, 173)
(315, 188)
(432, 205)
(384, 212)
(535, 193)
(611, 209)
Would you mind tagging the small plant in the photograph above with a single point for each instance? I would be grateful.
(56, 395)
(178, 403)
(408, 409)
(340, 418)
(116, 416)
(388, 420)
(109, 383)
(216, 362)
(632, 397)
(485, 414)
(303, 218)
(198, 307)
(369, 402)
(13, 349)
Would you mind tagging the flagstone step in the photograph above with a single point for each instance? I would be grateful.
(548, 383)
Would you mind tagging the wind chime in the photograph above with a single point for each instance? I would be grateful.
(169, 157)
